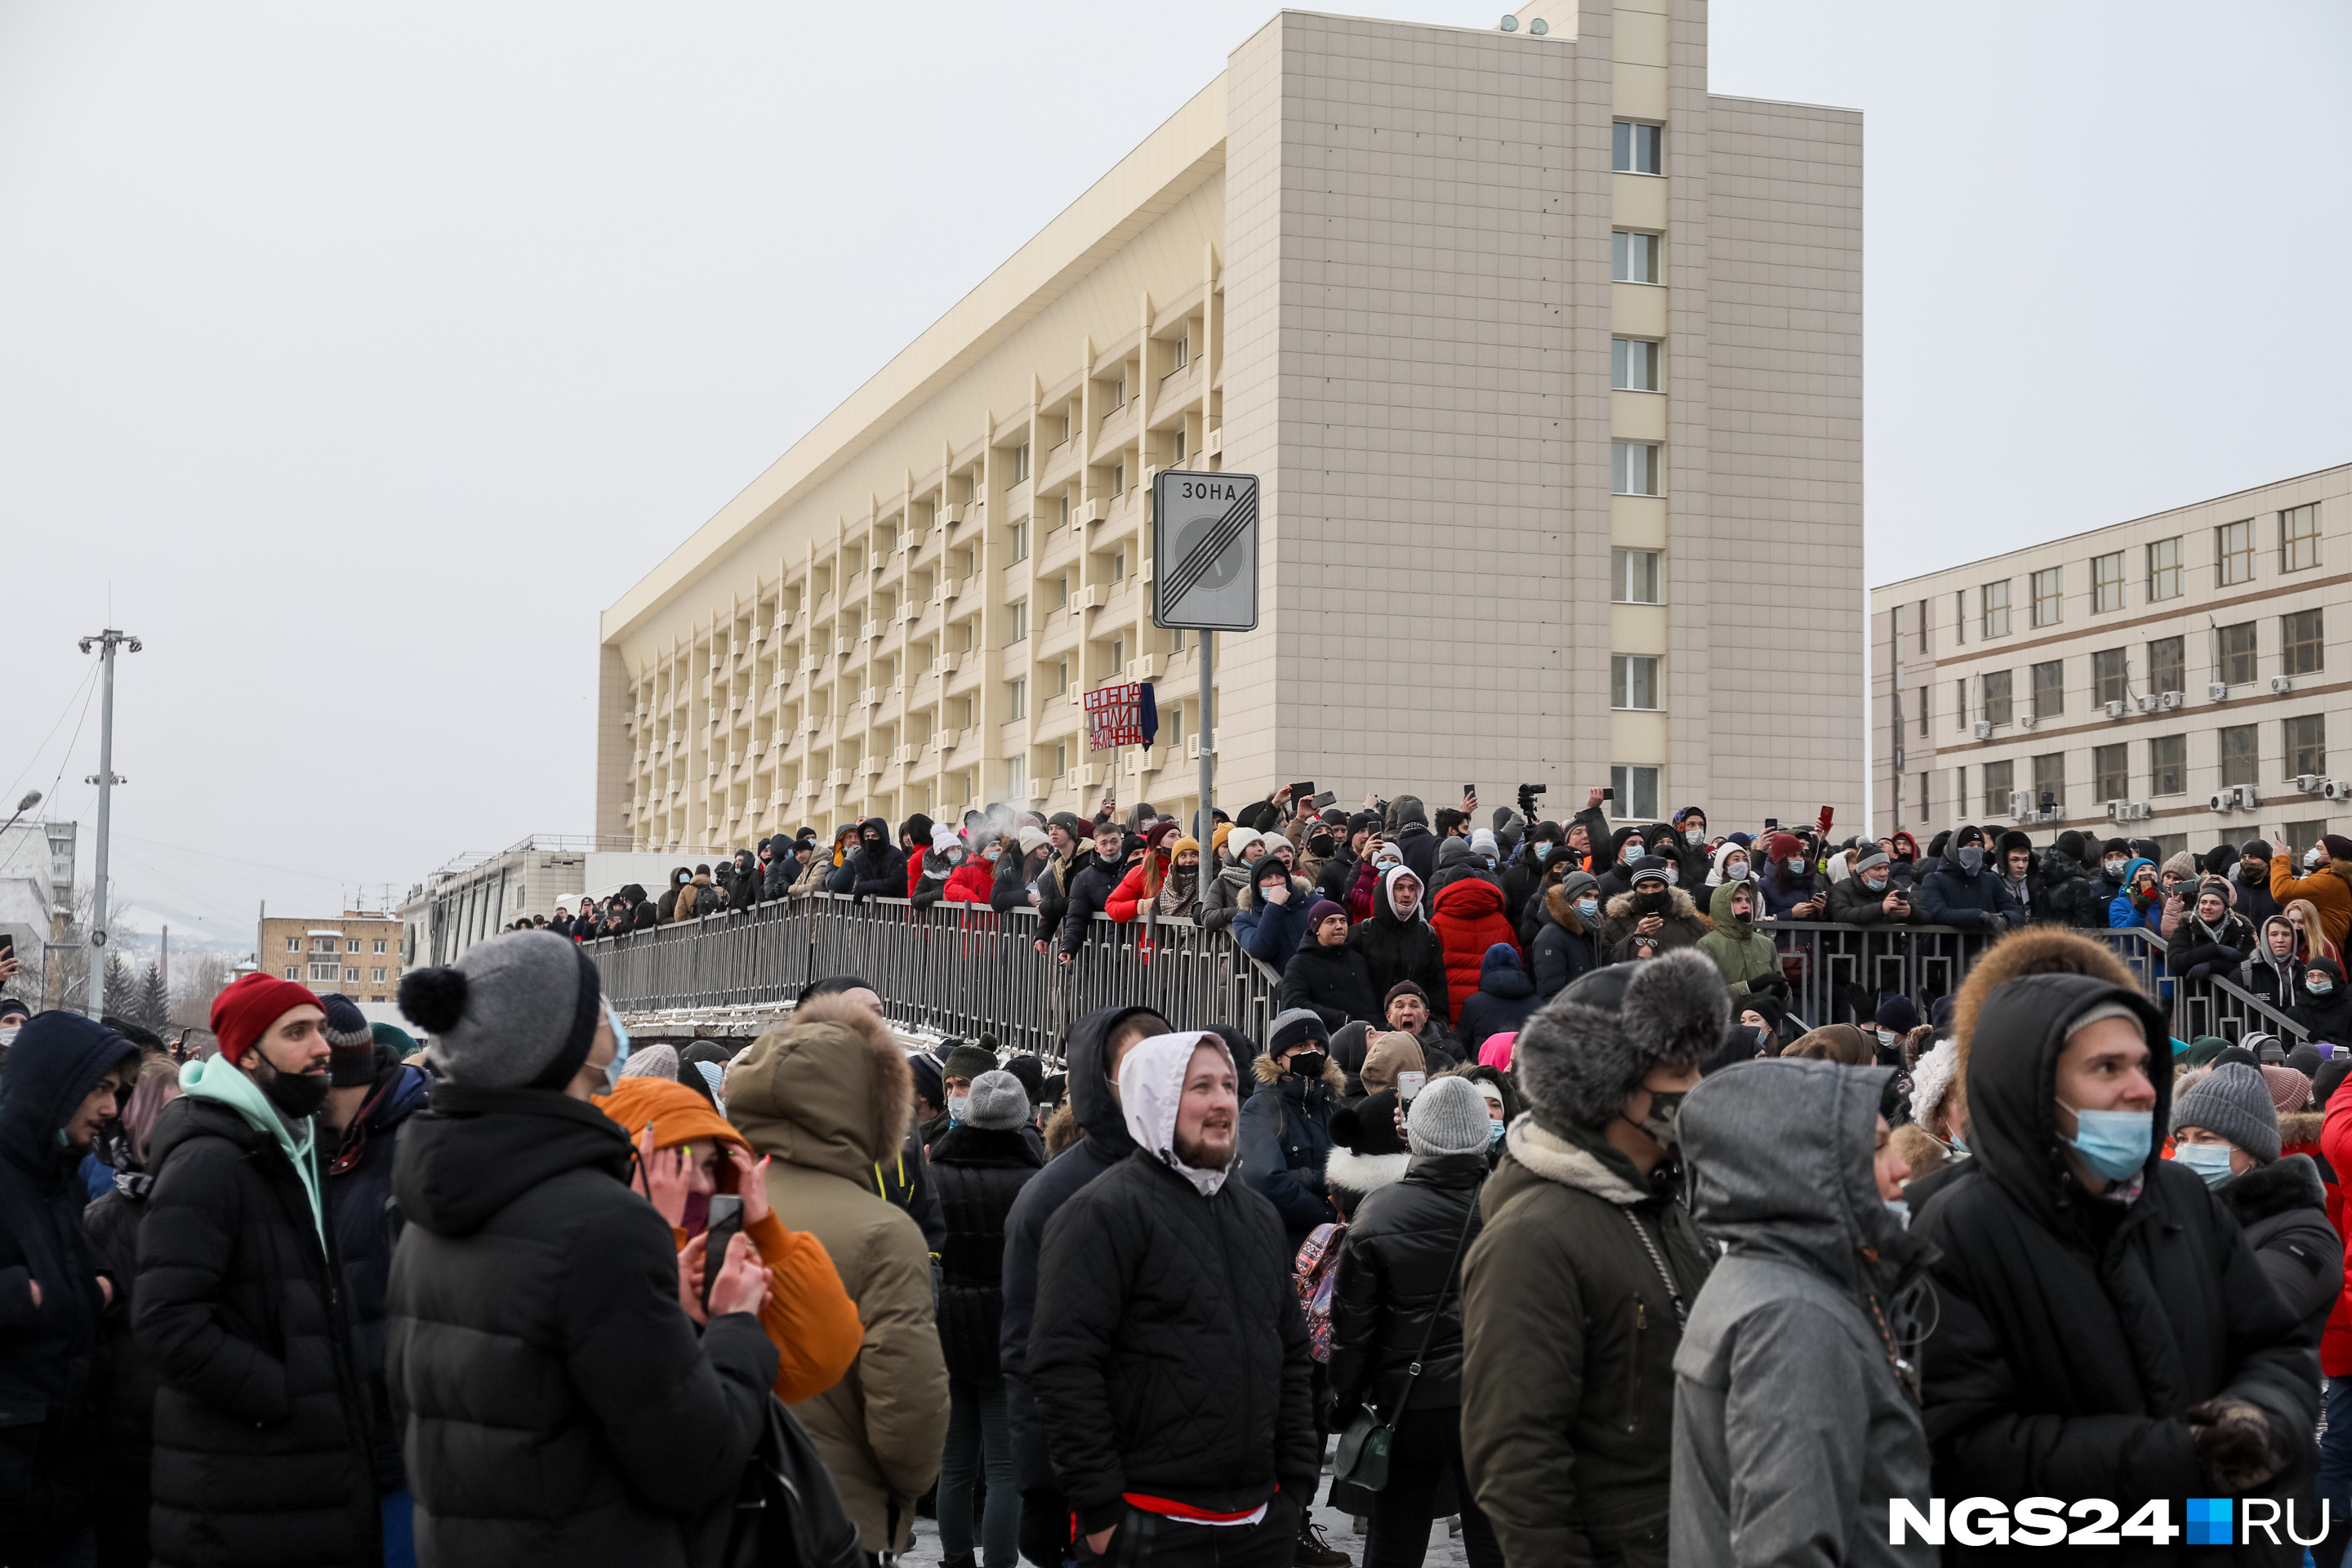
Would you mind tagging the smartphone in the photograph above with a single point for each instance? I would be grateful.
(1606, 794)
(1301, 790)
(1318, 802)
(1768, 822)
(726, 1224)
(1470, 792)
(7, 946)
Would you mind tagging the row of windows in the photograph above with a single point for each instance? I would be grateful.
(332, 973)
(2302, 749)
(327, 944)
(2236, 651)
(2234, 549)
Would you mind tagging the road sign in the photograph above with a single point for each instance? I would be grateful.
(1205, 549)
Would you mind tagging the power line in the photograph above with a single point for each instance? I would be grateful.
(233, 860)
(88, 680)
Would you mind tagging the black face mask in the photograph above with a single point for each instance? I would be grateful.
(296, 1095)
(1320, 844)
(1307, 1065)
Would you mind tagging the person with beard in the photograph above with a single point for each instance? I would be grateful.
(1966, 893)
(1746, 957)
(1094, 1050)
(1566, 946)
(2209, 940)
(1791, 892)
(1650, 918)
(263, 1442)
(2252, 875)
(1166, 1263)
(2106, 1330)
(1795, 1423)
(1396, 940)
(1574, 1293)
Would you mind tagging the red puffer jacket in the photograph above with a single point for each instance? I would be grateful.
(971, 882)
(1469, 917)
(2336, 1146)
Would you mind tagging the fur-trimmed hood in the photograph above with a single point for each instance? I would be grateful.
(2298, 1128)
(1559, 905)
(1363, 1175)
(828, 1088)
(2035, 949)
(1265, 1070)
(1300, 888)
(2277, 1188)
(1580, 1057)
(1555, 1159)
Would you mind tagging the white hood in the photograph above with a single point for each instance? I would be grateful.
(1151, 1086)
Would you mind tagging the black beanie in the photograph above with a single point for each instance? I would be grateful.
(2114, 846)
(2256, 846)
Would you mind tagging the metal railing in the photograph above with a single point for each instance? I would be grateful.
(956, 969)
(2223, 1007)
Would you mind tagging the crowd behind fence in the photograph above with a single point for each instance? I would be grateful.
(962, 969)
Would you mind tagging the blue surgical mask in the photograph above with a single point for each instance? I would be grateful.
(2318, 987)
(1493, 1133)
(1589, 909)
(2210, 1160)
(1796, 864)
(1544, 852)
(958, 1105)
(2115, 1143)
(620, 1047)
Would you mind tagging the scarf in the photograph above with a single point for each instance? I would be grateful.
(1179, 890)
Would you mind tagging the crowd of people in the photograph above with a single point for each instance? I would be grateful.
(1563, 1229)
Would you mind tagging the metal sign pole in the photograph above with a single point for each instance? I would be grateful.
(1206, 824)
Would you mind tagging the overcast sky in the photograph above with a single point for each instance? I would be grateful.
(355, 357)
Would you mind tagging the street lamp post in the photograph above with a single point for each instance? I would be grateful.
(107, 642)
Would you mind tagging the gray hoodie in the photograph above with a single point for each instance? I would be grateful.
(1793, 1427)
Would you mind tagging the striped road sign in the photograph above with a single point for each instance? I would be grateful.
(1205, 551)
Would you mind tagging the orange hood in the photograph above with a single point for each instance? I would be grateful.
(678, 1114)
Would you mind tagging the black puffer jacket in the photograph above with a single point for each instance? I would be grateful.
(2282, 1207)
(1285, 1139)
(48, 1430)
(367, 1223)
(876, 868)
(1563, 949)
(2076, 1332)
(979, 1173)
(261, 1425)
(558, 1408)
(1169, 1356)
(1505, 999)
(1090, 889)
(743, 891)
(1391, 1272)
(1332, 981)
(1396, 949)
(126, 1375)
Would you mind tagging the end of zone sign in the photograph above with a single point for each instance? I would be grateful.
(1205, 551)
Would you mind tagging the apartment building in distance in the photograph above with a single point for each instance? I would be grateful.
(356, 952)
(1549, 362)
(2169, 675)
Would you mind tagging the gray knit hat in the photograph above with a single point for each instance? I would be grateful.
(1448, 1117)
(2233, 1102)
(999, 1103)
(518, 1011)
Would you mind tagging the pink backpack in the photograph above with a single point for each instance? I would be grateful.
(1316, 1273)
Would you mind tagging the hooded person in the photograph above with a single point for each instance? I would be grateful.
(1525, 874)
(1272, 921)
(828, 1098)
(876, 867)
(1093, 881)
(2226, 1129)
(1613, 862)
(262, 1438)
(980, 1166)
(919, 837)
(2324, 1004)
(1221, 893)
(665, 907)
(1286, 1124)
(2106, 1329)
(1396, 1309)
(1746, 957)
(1096, 1047)
(1567, 944)
(67, 1076)
(558, 1404)
(1650, 918)
(1397, 943)
(2020, 870)
(1468, 915)
(1796, 1418)
(1408, 829)
(744, 890)
(1394, 1063)
(1965, 891)
(697, 895)
(1573, 1294)
(1325, 974)
(2274, 970)
(2208, 937)
(1160, 1268)
(2326, 882)
(1505, 999)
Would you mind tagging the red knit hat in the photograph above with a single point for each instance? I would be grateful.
(243, 1013)
(1782, 847)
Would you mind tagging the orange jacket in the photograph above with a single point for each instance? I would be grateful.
(808, 1318)
(2329, 889)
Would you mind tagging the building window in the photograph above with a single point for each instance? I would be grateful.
(2050, 689)
(2107, 583)
(1996, 697)
(1637, 149)
(2046, 584)
(1016, 778)
(352, 945)
(1016, 699)
(1637, 794)
(1998, 781)
(1960, 704)
(1634, 577)
(293, 944)
(1633, 681)
(2168, 665)
(2306, 744)
(2164, 569)
(1634, 258)
(379, 946)
(327, 971)
(2050, 781)
(1119, 477)
(1634, 467)
(375, 976)
(1020, 462)
(1176, 448)
(2300, 649)
(323, 945)
(1061, 758)
(2233, 552)
(2167, 764)
(1994, 598)
(1184, 351)
(1923, 710)
(2110, 771)
(1020, 531)
(2110, 681)
(2236, 662)
(350, 974)
(1016, 621)
(2301, 836)
(293, 972)
(1118, 565)
(2299, 538)
(1961, 619)
(1633, 365)
(1926, 809)
(2240, 755)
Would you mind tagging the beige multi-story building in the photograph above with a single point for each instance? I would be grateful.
(2169, 675)
(356, 952)
(1549, 362)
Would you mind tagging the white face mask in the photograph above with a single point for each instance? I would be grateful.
(958, 1105)
(1408, 1084)
(1901, 1209)
(1733, 871)
(2311, 858)
(1887, 1040)
(8, 1034)
(1693, 836)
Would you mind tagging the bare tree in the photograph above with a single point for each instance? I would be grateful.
(196, 979)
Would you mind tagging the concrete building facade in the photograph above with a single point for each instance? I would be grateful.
(356, 952)
(2169, 675)
(1550, 364)
(36, 904)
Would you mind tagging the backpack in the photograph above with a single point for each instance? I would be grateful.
(786, 1512)
(1316, 1275)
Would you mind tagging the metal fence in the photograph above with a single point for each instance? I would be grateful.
(957, 969)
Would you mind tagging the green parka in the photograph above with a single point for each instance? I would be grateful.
(1738, 950)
